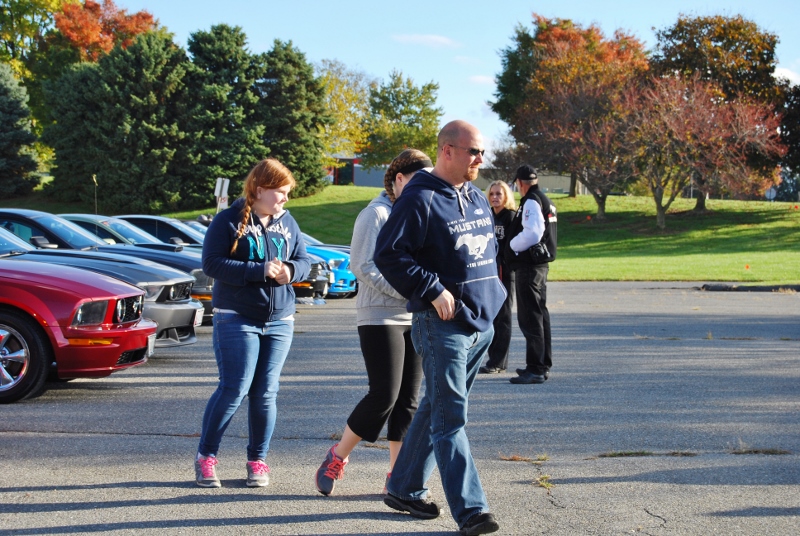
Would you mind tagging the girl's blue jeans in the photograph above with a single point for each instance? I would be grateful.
(250, 356)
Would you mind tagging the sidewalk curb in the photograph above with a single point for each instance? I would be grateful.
(720, 287)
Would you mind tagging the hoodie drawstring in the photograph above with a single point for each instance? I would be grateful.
(460, 202)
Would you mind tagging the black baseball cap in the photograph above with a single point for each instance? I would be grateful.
(526, 173)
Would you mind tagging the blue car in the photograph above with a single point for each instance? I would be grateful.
(338, 258)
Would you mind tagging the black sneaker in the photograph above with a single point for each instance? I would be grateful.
(480, 524)
(528, 377)
(522, 371)
(418, 508)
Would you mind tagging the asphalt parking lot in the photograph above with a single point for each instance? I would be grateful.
(669, 411)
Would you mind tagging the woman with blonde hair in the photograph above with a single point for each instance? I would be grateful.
(254, 250)
(393, 366)
(501, 198)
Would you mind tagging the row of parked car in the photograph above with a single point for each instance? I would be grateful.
(84, 295)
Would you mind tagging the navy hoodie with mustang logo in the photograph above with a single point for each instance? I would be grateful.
(441, 237)
(239, 282)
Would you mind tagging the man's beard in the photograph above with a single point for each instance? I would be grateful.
(471, 174)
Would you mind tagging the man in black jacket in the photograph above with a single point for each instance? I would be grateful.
(529, 251)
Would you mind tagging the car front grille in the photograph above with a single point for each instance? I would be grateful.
(132, 356)
(133, 309)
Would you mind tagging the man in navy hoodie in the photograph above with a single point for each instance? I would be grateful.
(438, 250)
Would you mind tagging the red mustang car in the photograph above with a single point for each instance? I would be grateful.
(88, 324)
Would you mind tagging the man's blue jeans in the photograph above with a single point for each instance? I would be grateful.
(250, 357)
(451, 355)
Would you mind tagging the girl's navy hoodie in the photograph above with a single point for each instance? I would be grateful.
(440, 237)
(239, 282)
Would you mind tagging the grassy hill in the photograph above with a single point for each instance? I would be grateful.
(735, 241)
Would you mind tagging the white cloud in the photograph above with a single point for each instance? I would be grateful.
(428, 40)
(793, 77)
(482, 80)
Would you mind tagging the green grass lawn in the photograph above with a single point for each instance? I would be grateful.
(735, 241)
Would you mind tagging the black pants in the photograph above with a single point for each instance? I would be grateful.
(533, 316)
(498, 350)
(394, 370)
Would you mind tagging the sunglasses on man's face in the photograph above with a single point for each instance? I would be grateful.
(471, 150)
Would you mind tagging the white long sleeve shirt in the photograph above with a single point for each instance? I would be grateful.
(532, 227)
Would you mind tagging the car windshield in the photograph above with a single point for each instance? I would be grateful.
(197, 226)
(196, 235)
(70, 233)
(132, 233)
(9, 242)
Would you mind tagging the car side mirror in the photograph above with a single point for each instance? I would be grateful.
(110, 241)
(42, 243)
(175, 240)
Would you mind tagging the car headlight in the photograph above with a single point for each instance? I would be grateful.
(119, 313)
(180, 291)
(90, 314)
(336, 263)
(202, 280)
(152, 292)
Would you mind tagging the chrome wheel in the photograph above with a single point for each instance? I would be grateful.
(15, 358)
(25, 355)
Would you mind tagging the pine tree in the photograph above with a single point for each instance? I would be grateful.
(224, 112)
(125, 122)
(73, 101)
(293, 114)
(16, 161)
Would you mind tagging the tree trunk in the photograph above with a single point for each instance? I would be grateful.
(573, 184)
(661, 217)
(601, 206)
(700, 204)
(661, 212)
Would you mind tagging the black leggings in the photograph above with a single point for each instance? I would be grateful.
(394, 370)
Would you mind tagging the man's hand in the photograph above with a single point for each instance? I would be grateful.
(445, 305)
(278, 271)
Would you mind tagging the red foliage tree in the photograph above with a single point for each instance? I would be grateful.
(681, 130)
(94, 29)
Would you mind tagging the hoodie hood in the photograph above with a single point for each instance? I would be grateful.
(439, 237)
(464, 196)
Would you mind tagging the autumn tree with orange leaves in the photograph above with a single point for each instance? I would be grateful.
(94, 28)
(559, 91)
(81, 32)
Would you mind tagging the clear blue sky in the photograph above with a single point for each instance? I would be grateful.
(453, 43)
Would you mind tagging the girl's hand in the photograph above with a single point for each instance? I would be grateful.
(278, 271)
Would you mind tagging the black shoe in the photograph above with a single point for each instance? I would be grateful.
(417, 508)
(491, 370)
(528, 377)
(480, 524)
(522, 371)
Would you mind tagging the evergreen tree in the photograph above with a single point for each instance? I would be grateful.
(292, 110)
(125, 122)
(16, 161)
(73, 101)
(224, 112)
